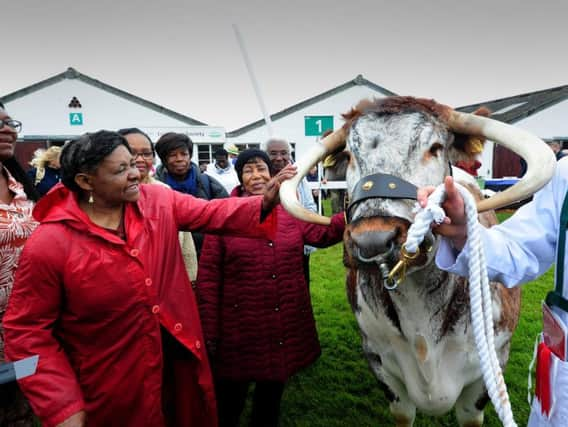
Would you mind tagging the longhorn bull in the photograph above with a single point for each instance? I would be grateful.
(418, 337)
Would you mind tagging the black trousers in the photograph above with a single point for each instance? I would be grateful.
(232, 395)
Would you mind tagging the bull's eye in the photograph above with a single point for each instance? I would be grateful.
(435, 148)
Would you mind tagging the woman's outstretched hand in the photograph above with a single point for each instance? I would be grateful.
(454, 225)
(271, 194)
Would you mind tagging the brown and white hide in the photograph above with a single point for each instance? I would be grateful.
(417, 338)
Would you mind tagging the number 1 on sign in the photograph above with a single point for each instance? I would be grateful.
(319, 125)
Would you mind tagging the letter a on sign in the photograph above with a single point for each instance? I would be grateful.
(76, 119)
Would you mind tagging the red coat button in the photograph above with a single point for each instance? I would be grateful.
(156, 309)
(198, 344)
(134, 252)
(148, 281)
(177, 327)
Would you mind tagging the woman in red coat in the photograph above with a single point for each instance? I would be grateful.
(102, 296)
(255, 305)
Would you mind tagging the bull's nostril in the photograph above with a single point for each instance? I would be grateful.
(373, 243)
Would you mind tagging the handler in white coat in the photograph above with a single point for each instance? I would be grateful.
(517, 251)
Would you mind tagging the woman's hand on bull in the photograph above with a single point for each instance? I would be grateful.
(454, 226)
(271, 194)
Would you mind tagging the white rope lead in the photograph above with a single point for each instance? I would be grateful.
(479, 294)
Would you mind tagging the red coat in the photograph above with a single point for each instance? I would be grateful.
(93, 306)
(255, 305)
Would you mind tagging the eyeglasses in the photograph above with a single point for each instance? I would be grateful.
(14, 124)
(145, 154)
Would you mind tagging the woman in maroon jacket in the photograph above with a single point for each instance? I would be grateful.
(102, 296)
(255, 305)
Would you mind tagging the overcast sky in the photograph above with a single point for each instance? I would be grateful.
(184, 55)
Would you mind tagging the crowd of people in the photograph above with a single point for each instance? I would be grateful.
(134, 323)
(157, 298)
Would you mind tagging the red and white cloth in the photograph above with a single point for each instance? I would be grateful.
(551, 389)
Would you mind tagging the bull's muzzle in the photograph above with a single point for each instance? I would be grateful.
(374, 246)
(376, 242)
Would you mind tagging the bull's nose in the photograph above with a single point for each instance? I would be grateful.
(373, 243)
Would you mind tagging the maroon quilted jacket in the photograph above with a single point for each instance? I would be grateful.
(254, 302)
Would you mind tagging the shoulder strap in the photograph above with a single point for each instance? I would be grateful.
(555, 297)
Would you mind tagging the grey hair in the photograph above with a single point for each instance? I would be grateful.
(265, 144)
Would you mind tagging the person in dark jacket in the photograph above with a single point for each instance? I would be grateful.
(45, 169)
(255, 304)
(181, 174)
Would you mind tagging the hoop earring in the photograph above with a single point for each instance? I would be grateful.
(91, 200)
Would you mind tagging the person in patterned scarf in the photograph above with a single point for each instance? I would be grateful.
(17, 195)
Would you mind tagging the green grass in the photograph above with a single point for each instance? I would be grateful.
(339, 389)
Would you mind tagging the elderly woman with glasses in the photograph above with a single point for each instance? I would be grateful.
(102, 297)
(17, 195)
(255, 303)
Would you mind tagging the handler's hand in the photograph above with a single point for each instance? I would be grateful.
(271, 194)
(454, 225)
(78, 419)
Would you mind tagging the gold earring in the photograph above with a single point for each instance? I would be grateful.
(91, 200)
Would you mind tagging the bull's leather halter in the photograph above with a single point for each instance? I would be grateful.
(382, 186)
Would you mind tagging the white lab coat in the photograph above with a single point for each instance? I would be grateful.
(517, 251)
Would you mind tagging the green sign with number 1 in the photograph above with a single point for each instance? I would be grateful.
(316, 125)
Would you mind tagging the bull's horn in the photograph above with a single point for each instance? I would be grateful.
(288, 194)
(540, 159)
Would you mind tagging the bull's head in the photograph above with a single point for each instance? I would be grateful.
(397, 144)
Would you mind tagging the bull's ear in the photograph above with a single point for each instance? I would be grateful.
(471, 144)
